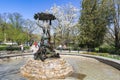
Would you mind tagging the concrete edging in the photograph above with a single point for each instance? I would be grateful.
(112, 62)
(109, 61)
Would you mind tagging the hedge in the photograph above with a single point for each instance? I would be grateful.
(12, 48)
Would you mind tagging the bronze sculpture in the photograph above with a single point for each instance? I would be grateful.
(45, 48)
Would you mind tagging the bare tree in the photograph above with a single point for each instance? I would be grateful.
(66, 19)
(31, 28)
(16, 20)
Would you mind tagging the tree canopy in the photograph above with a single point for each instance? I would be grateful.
(93, 22)
(12, 28)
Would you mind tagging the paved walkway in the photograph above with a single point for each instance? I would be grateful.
(33, 48)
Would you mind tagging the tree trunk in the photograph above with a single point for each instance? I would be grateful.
(116, 28)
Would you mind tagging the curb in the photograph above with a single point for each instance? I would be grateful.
(112, 62)
(108, 61)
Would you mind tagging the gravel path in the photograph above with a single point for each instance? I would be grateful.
(84, 69)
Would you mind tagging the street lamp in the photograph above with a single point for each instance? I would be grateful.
(4, 34)
(54, 39)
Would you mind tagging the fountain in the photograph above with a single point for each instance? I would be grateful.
(46, 47)
(46, 64)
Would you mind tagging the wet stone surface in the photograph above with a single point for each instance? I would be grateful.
(84, 69)
(10, 70)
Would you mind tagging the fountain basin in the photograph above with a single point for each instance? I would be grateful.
(85, 68)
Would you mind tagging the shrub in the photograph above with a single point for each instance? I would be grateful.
(91, 53)
(117, 52)
(96, 49)
(104, 54)
(12, 48)
(3, 45)
(104, 50)
(26, 47)
(2, 48)
(114, 57)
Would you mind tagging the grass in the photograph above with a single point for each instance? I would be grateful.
(104, 55)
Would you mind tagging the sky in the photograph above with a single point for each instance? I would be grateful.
(27, 8)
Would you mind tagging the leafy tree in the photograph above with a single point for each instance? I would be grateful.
(113, 35)
(93, 21)
(11, 28)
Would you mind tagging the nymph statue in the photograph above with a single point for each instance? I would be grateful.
(45, 49)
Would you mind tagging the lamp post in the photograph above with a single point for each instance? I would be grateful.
(5, 38)
(54, 39)
(4, 34)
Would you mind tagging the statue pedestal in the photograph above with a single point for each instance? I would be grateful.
(49, 69)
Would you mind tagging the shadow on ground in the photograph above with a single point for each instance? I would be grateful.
(78, 76)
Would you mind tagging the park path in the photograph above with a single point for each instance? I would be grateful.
(33, 49)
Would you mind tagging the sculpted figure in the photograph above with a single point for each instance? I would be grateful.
(45, 47)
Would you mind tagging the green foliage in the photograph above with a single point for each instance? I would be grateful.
(94, 19)
(13, 30)
(109, 55)
(12, 48)
(96, 49)
(2, 48)
(104, 55)
(13, 34)
(106, 48)
(9, 48)
(26, 47)
(1, 45)
(114, 30)
(90, 53)
(117, 52)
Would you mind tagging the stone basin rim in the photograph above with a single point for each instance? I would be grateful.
(112, 62)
